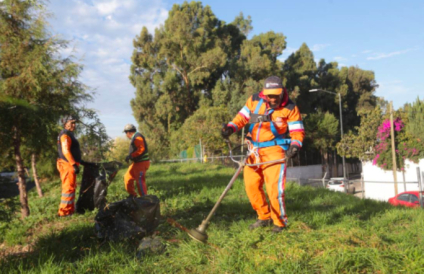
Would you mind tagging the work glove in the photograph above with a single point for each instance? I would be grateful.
(76, 168)
(127, 159)
(292, 151)
(226, 131)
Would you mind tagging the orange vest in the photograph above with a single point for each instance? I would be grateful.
(285, 122)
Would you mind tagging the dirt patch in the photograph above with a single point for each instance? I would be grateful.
(39, 230)
(17, 250)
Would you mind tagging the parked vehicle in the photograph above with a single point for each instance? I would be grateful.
(408, 198)
(340, 184)
(9, 177)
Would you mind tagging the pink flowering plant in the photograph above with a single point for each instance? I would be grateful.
(406, 146)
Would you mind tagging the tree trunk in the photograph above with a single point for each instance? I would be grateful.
(21, 173)
(326, 163)
(35, 175)
(330, 163)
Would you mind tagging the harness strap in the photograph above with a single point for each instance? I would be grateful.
(258, 107)
(279, 139)
(275, 142)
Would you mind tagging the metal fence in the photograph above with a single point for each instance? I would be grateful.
(223, 160)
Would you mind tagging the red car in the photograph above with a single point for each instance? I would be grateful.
(408, 198)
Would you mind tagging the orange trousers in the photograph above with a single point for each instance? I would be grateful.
(137, 173)
(69, 184)
(274, 178)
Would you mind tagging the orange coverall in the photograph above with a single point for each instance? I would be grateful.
(286, 120)
(68, 177)
(137, 170)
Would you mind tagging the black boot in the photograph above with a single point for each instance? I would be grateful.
(278, 229)
(260, 223)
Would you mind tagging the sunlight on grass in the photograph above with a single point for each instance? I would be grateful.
(328, 232)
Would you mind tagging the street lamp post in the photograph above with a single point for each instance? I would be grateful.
(341, 120)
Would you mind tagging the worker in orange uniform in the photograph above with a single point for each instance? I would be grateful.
(140, 156)
(276, 133)
(68, 165)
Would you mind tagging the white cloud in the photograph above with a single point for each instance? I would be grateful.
(366, 51)
(378, 56)
(318, 47)
(107, 7)
(102, 32)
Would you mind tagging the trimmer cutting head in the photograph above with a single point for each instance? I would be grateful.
(198, 235)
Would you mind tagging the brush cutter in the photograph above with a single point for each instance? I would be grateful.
(199, 233)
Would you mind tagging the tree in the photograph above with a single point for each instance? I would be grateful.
(407, 146)
(258, 59)
(174, 69)
(322, 132)
(119, 149)
(361, 142)
(416, 119)
(204, 124)
(356, 86)
(36, 84)
(299, 72)
(243, 24)
(92, 136)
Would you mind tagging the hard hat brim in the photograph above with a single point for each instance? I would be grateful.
(274, 91)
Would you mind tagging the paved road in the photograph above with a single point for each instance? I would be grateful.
(9, 186)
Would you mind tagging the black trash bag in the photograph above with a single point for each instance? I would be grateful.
(95, 180)
(131, 218)
(100, 191)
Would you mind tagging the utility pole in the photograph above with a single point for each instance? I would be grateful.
(420, 187)
(392, 134)
(341, 131)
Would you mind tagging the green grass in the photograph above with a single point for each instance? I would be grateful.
(328, 232)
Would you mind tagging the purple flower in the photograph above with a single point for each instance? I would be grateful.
(374, 162)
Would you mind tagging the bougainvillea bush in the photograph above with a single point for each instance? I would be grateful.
(407, 146)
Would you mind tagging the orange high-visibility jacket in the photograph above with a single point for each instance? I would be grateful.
(286, 123)
(138, 148)
(68, 147)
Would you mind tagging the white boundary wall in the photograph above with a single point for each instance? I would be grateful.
(379, 183)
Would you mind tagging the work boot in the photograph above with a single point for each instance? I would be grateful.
(260, 223)
(278, 229)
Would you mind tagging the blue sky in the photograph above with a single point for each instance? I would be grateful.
(386, 37)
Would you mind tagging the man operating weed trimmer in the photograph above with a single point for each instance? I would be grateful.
(273, 117)
(275, 134)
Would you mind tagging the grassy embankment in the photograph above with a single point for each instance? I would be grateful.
(329, 232)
